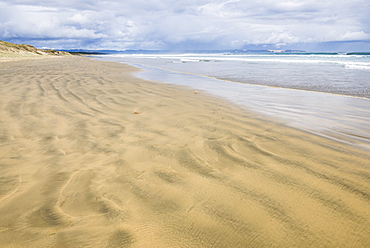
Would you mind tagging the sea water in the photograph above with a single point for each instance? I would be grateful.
(337, 74)
(328, 95)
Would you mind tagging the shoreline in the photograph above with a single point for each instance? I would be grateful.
(291, 107)
(188, 64)
(81, 168)
(250, 84)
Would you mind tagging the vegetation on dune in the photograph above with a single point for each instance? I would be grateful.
(11, 49)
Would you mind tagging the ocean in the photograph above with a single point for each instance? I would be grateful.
(327, 94)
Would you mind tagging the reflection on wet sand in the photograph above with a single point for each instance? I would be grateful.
(342, 118)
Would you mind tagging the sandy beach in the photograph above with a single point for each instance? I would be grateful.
(91, 156)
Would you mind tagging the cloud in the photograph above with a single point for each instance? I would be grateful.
(166, 24)
(354, 36)
(43, 22)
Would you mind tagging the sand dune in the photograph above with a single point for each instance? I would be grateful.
(79, 169)
(12, 52)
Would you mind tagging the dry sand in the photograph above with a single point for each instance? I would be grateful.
(79, 169)
(11, 56)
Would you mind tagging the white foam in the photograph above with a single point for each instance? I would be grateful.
(358, 66)
(360, 62)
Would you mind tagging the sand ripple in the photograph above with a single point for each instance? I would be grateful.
(79, 169)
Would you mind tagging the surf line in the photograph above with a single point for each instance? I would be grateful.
(230, 81)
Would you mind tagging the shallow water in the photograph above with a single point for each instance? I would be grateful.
(339, 117)
(337, 74)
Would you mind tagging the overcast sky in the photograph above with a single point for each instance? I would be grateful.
(187, 24)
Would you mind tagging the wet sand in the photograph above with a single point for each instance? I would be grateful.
(78, 168)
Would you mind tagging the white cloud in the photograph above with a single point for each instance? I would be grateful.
(282, 38)
(354, 36)
(168, 23)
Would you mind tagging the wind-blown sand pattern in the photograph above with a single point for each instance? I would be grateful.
(79, 169)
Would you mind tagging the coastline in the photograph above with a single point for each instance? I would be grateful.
(80, 168)
(230, 80)
(339, 117)
(336, 76)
